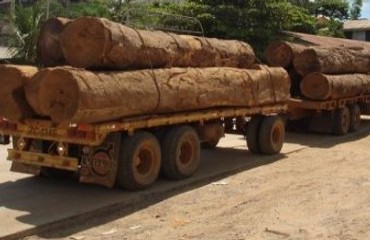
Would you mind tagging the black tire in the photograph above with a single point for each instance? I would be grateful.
(181, 153)
(271, 135)
(355, 119)
(140, 161)
(253, 128)
(342, 121)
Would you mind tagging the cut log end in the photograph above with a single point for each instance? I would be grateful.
(307, 62)
(279, 54)
(13, 104)
(84, 42)
(59, 96)
(49, 51)
(316, 86)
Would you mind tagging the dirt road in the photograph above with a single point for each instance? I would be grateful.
(321, 192)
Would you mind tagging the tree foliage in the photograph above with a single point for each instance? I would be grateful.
(355, 11)
(255, 21)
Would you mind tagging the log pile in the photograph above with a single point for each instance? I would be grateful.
(74, 95)
(117, 72)
(322, 72)
(97, 43)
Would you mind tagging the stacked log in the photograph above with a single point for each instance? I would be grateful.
(155, 73)
(319, 86)
(282, 53)
(13, 103)
(49, 50)
(74, 95)
(98, 43)
(322, 72)
(332, 61)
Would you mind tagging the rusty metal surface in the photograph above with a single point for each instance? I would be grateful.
(95, 134)
(41, 159)
(327, 105)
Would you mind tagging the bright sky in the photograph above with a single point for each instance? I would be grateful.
(366, 10)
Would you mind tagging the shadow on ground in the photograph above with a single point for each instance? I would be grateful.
(45, 205)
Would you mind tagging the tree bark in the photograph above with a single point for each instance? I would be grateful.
(332, 61)
(49, 50)
(13, 104)
(282, 53)
(318, 86)
(98, 43)
(75, 95)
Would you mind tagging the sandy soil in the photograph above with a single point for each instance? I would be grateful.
(316, 193)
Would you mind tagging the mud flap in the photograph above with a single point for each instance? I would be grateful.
(100, 164)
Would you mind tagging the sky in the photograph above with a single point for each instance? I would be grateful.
(366, 10)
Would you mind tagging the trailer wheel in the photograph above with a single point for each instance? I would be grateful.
(181, 153)
(342, 121)
(253, 129)
(355, 121)
(140, 161)
(271, 135)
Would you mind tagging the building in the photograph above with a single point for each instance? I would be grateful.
(357, 29)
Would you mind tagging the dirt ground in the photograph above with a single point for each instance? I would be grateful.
(315, 193)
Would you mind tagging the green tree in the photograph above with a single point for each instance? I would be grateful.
(333, 9)
(255, 21)
(355, 11)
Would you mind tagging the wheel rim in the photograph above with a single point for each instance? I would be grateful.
(277, 134)
(145, 162)
(185, 153)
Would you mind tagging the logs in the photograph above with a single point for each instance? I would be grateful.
(49, 51)
(98, 43)
(282, 53)
(332, 61)
(13, 104)
(318, 86)
(75, 95)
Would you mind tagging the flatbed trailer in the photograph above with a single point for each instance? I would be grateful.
(337, 116)
(131, 152)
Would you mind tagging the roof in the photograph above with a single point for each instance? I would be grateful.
(350, 25)
(314, 40)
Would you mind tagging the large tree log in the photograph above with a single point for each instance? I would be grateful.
(49, 51)
(332, 61)
(99, 43)
(75, 95)
(282, 53)
(13, 104)
(318, 86)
